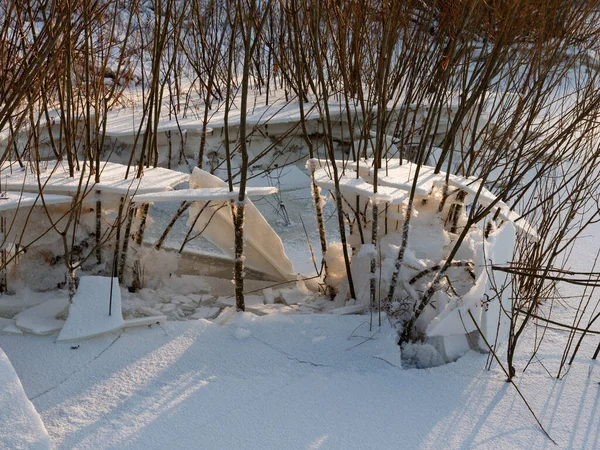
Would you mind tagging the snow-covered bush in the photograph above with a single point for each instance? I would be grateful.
(436, 221)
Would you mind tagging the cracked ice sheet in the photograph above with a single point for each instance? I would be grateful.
(293, 382)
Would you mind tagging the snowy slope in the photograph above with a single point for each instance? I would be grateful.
(20, 424)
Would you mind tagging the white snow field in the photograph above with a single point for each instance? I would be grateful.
(293, 382)
(510, 101)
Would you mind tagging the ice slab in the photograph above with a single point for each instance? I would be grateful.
(4, 322)
(11, 329)
(10, 201)
(473, 187)
(144, 321)
(127, 123)
(249, 300)
(352, 309)
(351, 185)
(7, 326)
(203, 194)
(402, 177)
(118, 125)
(263, 247)
(88, 314)
(493, 322)
(20, 425)
(263, 310)
(206, 312)
(279, 113)
(54, 177)
(225, 316)
(41, 319)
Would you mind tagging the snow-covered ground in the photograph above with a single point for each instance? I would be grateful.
(302, 381)
(294, 378)
(294, 382)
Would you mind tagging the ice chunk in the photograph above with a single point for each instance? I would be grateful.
(206, 312)
(42, 319)
(201, 194)
(5, 322)
(352, 309)
(263, 248)
(144, 321)
(351, 185)
(263, 310)
(16, 200)
(89, 312)
(12, 329)
(225, 316)
(56, 179)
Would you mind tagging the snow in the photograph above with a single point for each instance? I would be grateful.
(202, 194)
(272, 378)
(21, 427)
(88, 314)
(55, 179)
(42, 319)
(15, 200)
(273, 382)
(4, 322)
